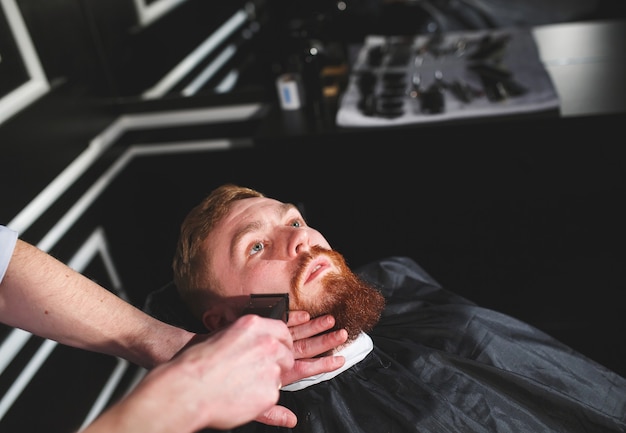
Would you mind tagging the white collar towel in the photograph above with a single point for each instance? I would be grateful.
(354, 352)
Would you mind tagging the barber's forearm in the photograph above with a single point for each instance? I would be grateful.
(44, 296)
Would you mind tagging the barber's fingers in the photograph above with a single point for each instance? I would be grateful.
(310, 367)
(301, 326)
(310, 341)
(298, 317)
(273, 327)
(310, 338)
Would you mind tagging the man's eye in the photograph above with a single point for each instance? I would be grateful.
(256, 248)
(296, 223)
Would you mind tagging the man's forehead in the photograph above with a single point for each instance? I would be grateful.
(247, 214)
(254, 207)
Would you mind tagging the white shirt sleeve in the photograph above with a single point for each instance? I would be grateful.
(8, 239)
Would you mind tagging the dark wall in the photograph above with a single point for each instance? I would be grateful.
(101, 49)
(63, 40)
(97, 59)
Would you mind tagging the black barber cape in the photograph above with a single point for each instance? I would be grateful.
(442, 364)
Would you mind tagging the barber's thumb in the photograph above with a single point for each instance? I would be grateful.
(278, 416)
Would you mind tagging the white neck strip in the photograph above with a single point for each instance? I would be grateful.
(354, 352)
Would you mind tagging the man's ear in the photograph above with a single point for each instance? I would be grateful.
(217, 317)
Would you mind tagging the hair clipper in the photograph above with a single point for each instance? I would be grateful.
(271, 305)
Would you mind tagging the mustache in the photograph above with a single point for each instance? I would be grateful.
(305, 260)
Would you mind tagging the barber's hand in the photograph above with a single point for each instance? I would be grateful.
(307, 345)
(229, 378)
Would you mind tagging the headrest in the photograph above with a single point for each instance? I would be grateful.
(166, 305)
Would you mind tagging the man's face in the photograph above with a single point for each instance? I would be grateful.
(264, 246)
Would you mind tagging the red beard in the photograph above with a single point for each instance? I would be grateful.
(355, 305)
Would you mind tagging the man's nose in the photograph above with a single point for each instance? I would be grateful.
(299, 241)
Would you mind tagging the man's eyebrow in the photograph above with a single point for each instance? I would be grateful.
(286, 207)
(239, 234)
(256, 225)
